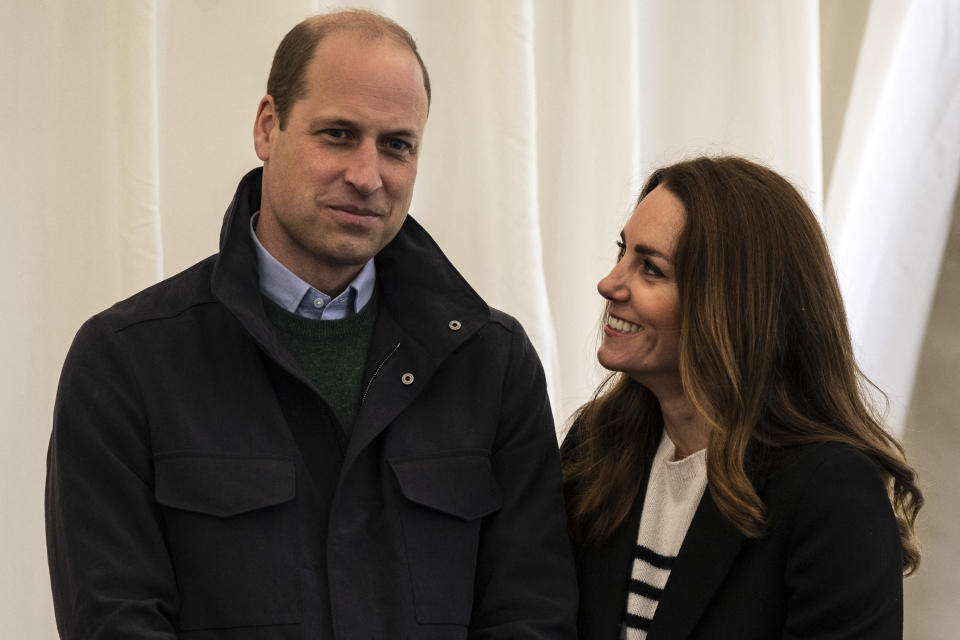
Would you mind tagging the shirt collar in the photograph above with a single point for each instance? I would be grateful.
(287, 290)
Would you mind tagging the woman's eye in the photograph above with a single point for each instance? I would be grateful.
(621, 249)
(651, 269)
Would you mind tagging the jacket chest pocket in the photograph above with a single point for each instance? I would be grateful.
(447, 498)
(228, 533)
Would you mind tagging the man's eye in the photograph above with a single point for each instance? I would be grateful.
(400, 146)
(621, 249)
(336, 134)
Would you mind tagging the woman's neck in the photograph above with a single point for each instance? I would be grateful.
(688, 428)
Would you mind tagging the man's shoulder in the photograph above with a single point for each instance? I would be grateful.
(507, 330)
(168, 298)
(505, 320)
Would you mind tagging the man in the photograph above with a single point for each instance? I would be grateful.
(321, 431)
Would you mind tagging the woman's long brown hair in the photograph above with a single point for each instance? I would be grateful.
(765, 355)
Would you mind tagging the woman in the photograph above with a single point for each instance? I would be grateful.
(730, 479)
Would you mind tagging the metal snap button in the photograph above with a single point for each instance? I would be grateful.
(407, 378)
(455, 325)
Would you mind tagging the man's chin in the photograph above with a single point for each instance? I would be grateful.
(347, 257)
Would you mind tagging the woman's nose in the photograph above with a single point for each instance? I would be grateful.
(611, 287)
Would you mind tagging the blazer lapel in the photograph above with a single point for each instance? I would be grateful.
(708, 551)
(706, 555)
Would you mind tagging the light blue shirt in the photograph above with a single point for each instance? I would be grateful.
(286, 289)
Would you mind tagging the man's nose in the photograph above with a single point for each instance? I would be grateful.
(363, 168)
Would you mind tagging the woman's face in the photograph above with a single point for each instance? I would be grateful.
(641, 333)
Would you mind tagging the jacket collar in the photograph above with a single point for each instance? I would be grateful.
(427, 311)
(422, 290)
(235, 279)
(424, 293)
(425, 305)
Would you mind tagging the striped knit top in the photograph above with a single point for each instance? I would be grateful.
(673, 494)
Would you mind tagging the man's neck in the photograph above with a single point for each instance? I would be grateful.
(331, 279)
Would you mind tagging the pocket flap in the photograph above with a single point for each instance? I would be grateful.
(461, 485)
(223, 486)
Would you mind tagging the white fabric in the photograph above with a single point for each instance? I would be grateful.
(890, 202)
(127, 123)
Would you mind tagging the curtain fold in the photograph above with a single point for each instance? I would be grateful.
(137, 125)
(890, 202)
(587, 151)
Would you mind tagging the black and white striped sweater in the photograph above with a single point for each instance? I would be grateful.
(673, 493)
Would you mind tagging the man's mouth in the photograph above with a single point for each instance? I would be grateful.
(356, 210)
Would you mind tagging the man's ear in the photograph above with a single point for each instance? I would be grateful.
(264, 127)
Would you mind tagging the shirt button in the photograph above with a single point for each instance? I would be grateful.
(318, 303)
(454, 325)
(407, 378)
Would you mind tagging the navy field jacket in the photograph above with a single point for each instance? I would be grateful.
(197, 487)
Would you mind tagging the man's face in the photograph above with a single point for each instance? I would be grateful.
(338, 179)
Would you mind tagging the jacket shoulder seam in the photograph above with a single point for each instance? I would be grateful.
(121, 316)
(505, 320)
(129, 322)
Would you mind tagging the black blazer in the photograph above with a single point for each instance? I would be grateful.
(828, 567)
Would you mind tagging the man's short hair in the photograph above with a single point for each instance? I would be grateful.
(286, 82)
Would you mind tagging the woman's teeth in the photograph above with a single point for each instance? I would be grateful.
(622, 325)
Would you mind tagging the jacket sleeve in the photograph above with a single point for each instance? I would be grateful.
(109, 568)
(526, 584)
(843, 570)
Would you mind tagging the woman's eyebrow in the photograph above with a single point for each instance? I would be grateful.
(647, 250)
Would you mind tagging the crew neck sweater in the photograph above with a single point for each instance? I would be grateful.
(673, 494)
(332, 353)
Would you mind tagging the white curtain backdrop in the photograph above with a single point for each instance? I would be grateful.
(889, 208)
(127, 123)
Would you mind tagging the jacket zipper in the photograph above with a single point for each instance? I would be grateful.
(380, 366)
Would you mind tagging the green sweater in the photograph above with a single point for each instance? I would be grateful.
(332, 353)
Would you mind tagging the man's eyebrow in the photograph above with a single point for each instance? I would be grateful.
(336, 123)
(409, 134)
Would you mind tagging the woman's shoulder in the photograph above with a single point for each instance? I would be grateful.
(831, 519)
(818, 459)
(812, 455)
(826, 479)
